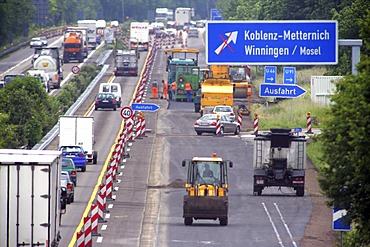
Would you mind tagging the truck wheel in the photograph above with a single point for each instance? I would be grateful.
(188, 221)
(300, 192)
(223, 221)
(95, 158)
(257, 191)
(83, 169)
(115, 108)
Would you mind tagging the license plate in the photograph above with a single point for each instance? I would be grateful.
(68, 156)
(204, 124)
(105, 101)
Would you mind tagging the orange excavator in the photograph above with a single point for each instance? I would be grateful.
(73, 47)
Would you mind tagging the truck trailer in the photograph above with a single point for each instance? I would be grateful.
(78, 131)
(30, 207)
(140, 32)
(279, 160)
(91, 32)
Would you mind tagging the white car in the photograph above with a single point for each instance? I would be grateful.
(224, 110)
(36, 42)
(44, 40)
(193, 32)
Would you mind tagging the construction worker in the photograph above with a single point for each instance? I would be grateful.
(155, 89)
(189, 91)
(165, 89)
(173, 90)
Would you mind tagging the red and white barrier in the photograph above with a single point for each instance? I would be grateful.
(138, 127)
(109, 183)
(309, 126)
(80, 242)
(103, 190)
(100, 201)
(94, 219)
(87, 230)
(255, 124)
(218, 126)
(143, 128)
(240, 119)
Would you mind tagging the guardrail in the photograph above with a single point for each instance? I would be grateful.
(50, 136)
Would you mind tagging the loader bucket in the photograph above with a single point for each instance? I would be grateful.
(205, 207)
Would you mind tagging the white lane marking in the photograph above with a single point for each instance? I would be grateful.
(129, 144)
(122, 167)
(114, 197)
(107, 216)
(99, 239)
(285, 224)
(123, 161)
(273, 225)
(119, 180)
(104, 227)
(110, 206)
(128, 150)
(116, 188)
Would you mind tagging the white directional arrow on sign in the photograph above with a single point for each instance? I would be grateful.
(270, 79)
(231, 37)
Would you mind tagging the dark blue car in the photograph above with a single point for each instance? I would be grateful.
(77, 154)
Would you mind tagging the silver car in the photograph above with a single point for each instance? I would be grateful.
(207, 124)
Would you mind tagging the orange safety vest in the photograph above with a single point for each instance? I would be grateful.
(188, 86)
(165, 87)
(173, 87)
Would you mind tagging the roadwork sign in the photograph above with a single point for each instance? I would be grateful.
(272, 42)
(75, 69)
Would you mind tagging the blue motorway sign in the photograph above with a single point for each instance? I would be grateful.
(281, 90)
(272, 42)
(215, 14)
(289, 75)
(341, 221)
(144, 107)
(270, 74)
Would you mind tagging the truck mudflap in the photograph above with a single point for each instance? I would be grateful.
(205, 207)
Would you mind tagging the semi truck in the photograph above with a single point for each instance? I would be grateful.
(126, 63)
(30, 205)
(279, 159)
(48, 60)
(91, 32)
(207, 189)
(73, 47)
(140, 32)
(78, 131)
(84, 31)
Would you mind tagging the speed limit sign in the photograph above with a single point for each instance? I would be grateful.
(126, 112)
(75, 69)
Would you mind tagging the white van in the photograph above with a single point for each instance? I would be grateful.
(114, 88)
(45, 78)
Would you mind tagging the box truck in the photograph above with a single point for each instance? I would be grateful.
(30, 207)
(78, 131)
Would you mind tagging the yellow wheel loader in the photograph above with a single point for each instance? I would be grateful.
(207, 189)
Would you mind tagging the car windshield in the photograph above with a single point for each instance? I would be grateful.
(36, 39)
(208, 117)
(114, 89)
(222, 109)
(105, 96)
(67, 163)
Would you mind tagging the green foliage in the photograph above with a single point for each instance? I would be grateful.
(346, 148)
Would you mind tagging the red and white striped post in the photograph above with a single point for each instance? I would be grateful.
(94, 219)
(218, 126)
(103, 190)
(143, 128)
(80, 242)
(138, 127)
(309, 126)
(255, 124)
(87, 230)
(109, 183)
(240, 118)
(100, 201)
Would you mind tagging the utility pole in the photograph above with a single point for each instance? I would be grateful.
(123, 11)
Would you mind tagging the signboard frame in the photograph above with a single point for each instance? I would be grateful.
(289, 38)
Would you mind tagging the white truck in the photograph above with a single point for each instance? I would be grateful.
(140, 32)
(78, 131)
(30, 207)
(182, 17)
(91, 31)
